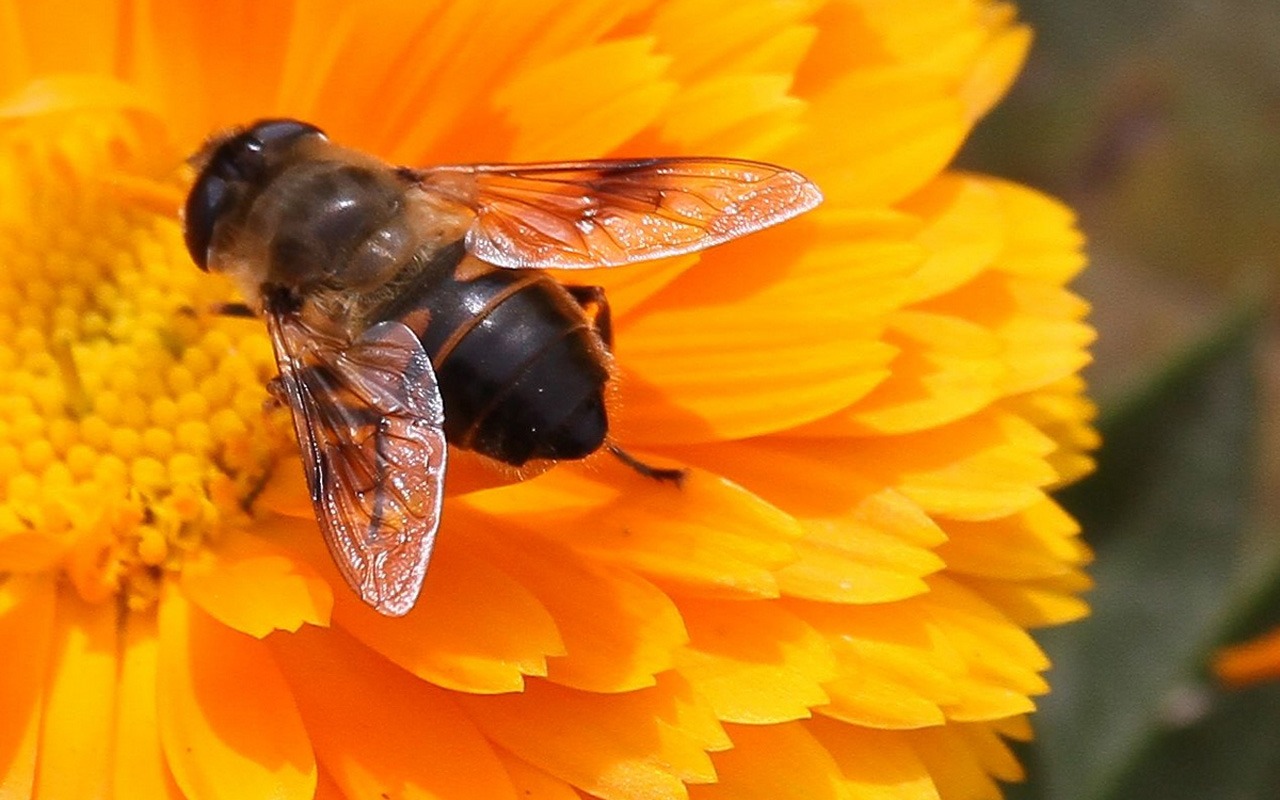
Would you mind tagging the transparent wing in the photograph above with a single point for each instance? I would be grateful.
(607, 213)
(369, 419)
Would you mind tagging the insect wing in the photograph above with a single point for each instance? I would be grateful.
(607, 213)
(369, 419)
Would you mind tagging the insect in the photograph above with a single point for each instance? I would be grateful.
(408, 310)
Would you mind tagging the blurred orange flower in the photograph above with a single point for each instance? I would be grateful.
(872, 401)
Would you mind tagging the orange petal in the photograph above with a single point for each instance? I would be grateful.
(250, 585)
(742, 116)
(30, 551)
(474, 628)
(618, 89)
(895, 773)
(774, 762)
(138, 766)
(1250, 662)
(79, 704)
(227, 720)
(764, 334)
(619, 631)
(743, 34)
(896, 672)
(26, 627)
(910, 125)
(946, 369)
(647, 743)
(754, 662)
(379, 731)
(532, 783)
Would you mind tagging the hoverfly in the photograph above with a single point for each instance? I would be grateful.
(408, 310)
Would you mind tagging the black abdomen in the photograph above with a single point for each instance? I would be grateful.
(520, 368)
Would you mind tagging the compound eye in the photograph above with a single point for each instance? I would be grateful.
(270, 132)
(208, 199)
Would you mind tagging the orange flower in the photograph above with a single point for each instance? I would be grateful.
(872, 402)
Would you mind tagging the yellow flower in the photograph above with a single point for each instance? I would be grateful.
(872, 401)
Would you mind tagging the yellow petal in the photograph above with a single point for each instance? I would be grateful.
(982, 467)
(642, 744)
(1036, 604)
(379, 731)
(754, 662)
(1041, 237)
(956, 769)
(26, 626)
(138, 764)
(79, 704)
(895, 773)
(1039, 542)
(963, 231)
(861, 542)
(250, 585)
(774, 762)
(227, 720)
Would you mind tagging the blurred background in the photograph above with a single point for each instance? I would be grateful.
(1159, 121)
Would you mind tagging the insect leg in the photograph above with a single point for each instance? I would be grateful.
(593, 301)
(675, 476)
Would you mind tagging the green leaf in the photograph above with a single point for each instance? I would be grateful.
(1177, 565)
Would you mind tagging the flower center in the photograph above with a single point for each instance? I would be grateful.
(131, 416)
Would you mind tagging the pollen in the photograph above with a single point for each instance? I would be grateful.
(132, 422)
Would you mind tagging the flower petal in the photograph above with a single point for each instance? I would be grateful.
(895, 773)
(619, 631)
(727, 350)
(28, 550)
(474, 628)
(647, 743)
(617, 90)
(909, 126)
(964, 231)
(1041, 237)
(419, 745)
(532, 783)
(228, 723)
(754, 662)
(255, 588)
(79, 704)
(27, 607)
(1039, 542)
(986, 466)
(708, 537)
(861, 542)
(138, 765)
(774, 762)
